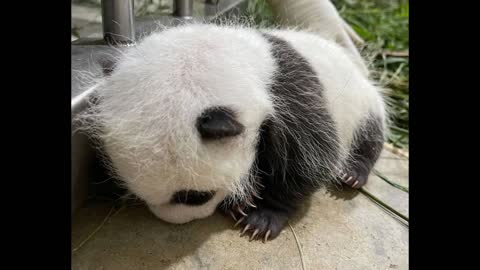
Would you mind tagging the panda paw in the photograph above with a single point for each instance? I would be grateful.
(259, 222)
(354, 181)
(355, 177)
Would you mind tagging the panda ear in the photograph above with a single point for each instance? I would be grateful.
(218, 123)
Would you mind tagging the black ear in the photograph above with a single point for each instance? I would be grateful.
(217, 123)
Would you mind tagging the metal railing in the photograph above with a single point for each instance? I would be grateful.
(118, 19)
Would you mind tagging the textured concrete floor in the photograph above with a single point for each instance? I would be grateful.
(338, 229)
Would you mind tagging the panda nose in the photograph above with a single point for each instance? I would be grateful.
(192, 197)
(218, 123)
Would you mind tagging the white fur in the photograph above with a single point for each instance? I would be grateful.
(321, 18)
(149, 105)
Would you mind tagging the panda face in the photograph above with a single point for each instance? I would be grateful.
(180, 116)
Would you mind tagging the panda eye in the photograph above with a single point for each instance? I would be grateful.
(217, 123)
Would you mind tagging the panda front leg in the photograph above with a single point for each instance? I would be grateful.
(365, 154)
(265, 214)
(357, 172)
(266, 220)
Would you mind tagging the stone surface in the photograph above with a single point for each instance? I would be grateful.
(392, 196)
(336, 230)
(394, 167)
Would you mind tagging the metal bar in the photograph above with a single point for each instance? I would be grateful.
(184, 8)
(118, 18)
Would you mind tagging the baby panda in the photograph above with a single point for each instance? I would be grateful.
(250, 121)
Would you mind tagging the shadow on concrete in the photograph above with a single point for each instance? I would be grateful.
(163, 244)
(342, 192)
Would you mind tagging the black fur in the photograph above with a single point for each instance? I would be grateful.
(192, 197)
(217, 123)
(280, 158)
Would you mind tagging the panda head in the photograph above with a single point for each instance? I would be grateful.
(179, 117)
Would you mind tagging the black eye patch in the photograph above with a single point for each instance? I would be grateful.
(192, 197)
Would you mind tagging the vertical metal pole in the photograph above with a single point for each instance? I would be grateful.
(184, 8)
(118, 18)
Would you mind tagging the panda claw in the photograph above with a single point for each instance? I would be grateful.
(257, 196)
(245, 230)
(355, 184)
(251, 204)
(233, 215)
(253, 235)
(241, 212)
(265, 239)
(238, 222)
